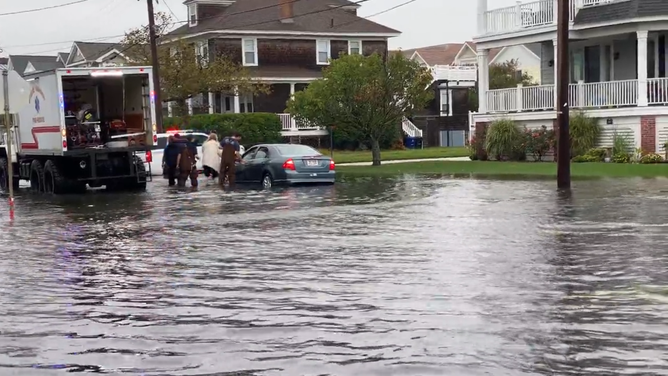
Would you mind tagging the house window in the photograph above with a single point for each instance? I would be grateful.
(323, 51)
(446, 102)
(192, 14)
(249, 47)
(245, 103)
(202, 52)
(354, 47)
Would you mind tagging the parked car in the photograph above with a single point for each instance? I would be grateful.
(273, 164)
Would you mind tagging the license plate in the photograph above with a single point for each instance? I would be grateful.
(312, 163)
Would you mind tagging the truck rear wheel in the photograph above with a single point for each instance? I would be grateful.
(4, 176)
(56, 183)
(36, 176)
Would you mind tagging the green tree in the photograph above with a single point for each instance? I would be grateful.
(365, 96)
(507, 75)
(183, 72)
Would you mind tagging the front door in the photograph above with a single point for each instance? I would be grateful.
(592, 63)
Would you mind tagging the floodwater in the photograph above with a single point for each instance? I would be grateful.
(384, 277)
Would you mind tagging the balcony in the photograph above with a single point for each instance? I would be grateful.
(595, 95)
(454, 73)
(528, 16)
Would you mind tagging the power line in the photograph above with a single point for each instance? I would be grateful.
(381, 12)
(43, 8)
(170, 10)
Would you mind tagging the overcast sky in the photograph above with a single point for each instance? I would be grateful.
(423, 22)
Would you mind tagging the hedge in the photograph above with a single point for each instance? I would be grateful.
(254, 128)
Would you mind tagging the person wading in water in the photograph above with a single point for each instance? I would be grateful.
(186, 165)
(170, 157)
(230, 154)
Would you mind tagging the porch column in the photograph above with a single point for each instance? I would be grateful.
(237, 104)
(554, 63)
(170, 109)
(211, 103)
(642, 67)
(482, 19)
(292, 90)
(483, 80)
(189, 103)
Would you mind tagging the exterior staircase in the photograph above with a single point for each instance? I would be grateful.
(410, 129)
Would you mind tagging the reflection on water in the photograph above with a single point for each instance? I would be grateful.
(400, 276)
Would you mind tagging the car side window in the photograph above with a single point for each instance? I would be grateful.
(199, 139)
(262, 153)
(250, 154)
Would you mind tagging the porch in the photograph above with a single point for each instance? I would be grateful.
(273, 102)
(525, 16)
(624, 70)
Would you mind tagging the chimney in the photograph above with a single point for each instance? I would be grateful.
(287, 11)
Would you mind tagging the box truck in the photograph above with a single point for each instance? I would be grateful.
(83, 127)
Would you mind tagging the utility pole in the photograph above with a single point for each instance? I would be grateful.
(562, 79)
(8, 143)
(156, 66)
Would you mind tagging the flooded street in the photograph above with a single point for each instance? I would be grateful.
(368, 277)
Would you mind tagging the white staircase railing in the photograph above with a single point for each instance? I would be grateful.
(410, 129)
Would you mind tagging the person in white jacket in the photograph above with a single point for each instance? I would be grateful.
(211, 156)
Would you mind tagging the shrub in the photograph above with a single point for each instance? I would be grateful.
(254, 127)
(584, 132)
(504, 140)
(651, 158)
(473, 149)
(621, 158)
(539, 142)
(585, 159)
(598, 153)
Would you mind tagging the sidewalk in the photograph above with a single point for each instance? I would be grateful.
(451, 159)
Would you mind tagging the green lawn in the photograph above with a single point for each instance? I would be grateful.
(393, 155)
(547, 169)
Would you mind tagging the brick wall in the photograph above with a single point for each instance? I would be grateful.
(648, 134)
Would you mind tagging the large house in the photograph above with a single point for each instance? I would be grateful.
(284, 43)
(617, 66)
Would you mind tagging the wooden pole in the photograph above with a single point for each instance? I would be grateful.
(8, 144)
(156, 66)
(562, 79)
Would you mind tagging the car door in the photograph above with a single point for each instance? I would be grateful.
(245, 163)
(199, 140)
(158, 153)
(255, 167)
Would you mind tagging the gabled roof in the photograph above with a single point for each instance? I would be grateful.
(620, 10)
(93, 51)
(310, 16)
(41, 63)
(444, 54)
(62, 56)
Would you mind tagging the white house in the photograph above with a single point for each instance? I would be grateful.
(617, 65)
(454, 56)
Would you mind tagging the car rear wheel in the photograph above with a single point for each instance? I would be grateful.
(267, 181)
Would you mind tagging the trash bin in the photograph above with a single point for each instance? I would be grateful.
(410, 142)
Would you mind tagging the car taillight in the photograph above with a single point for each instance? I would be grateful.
(149, 156)
(289, 165)
(332, 165)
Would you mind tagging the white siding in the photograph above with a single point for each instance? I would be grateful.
(628, 127)
(535, 124)
(661, 133)
(526, 59)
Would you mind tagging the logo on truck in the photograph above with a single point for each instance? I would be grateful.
(36, 97)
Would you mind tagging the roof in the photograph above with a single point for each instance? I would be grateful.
(93, 51)
(444, 54)
(620, 10)
(41, 63)
(316, 16)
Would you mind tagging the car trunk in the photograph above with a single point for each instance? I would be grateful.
(311, 164)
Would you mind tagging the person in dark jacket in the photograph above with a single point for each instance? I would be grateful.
(230, 154)
(170, 158)
(186, 166)
(192, 147)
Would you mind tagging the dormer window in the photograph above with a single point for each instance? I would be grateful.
(192, 14)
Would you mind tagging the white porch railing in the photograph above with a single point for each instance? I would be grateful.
(289, 123)
(523, 16)
(603, 94)
(657, 91)
(410, 129)
(580, 95)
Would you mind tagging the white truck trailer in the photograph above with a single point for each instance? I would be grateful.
(83, 126)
